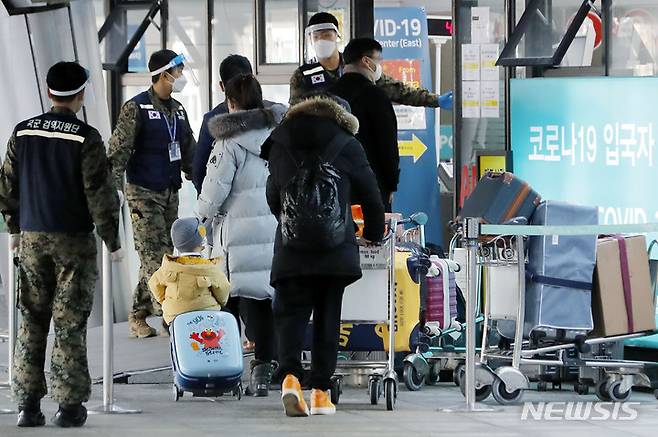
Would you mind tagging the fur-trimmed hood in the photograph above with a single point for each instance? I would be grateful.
(327, 108)
(230, 125)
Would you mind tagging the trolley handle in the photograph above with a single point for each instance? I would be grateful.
(366, 243)
(418, 219)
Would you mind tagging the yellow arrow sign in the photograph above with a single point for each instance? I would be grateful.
(414, 148)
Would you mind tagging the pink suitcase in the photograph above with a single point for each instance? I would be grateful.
(441, 294)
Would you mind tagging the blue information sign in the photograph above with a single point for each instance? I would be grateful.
(403, 34)
(137, 59)
(590, 141)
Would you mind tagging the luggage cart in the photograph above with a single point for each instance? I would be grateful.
(439, 353)
(503, 370)
(377, 288)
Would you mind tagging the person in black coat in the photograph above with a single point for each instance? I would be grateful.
(308, 281)
(378, 131)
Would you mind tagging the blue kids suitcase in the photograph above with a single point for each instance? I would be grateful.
(206, 354)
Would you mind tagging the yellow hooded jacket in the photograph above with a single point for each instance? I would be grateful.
(189, 283)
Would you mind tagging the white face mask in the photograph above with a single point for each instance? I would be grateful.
(378, 70)
(324, 48)
(179, 83)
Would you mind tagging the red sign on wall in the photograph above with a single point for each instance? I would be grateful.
(405, 70)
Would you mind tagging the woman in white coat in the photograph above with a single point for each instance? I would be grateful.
(233, 194)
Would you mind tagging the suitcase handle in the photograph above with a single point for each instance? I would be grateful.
(507, 176)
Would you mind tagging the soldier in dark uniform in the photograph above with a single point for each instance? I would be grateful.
(152, 142)
(319, 76)
(55, 186)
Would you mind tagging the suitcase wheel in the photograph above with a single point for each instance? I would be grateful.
(237, 391)
(336, 389)
(176, 393)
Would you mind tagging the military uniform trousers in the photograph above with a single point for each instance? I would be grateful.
(57, 279)
(152, 213)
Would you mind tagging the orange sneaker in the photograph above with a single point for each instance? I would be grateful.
(321, 403)
(292, 397)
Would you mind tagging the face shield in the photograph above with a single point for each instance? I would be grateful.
(179, 61)
(320, 41)
(90, 94)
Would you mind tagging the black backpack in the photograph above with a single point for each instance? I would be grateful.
(311, 214)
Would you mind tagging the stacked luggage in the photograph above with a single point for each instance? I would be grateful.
(566, 297)
(559, 274)
(583, 295)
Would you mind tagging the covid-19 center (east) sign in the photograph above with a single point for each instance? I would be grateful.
(402, 32)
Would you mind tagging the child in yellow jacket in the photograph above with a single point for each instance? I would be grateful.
(188, 282)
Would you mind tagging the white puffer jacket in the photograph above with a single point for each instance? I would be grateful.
(234, 188)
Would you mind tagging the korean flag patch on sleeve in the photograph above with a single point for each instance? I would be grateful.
(318, 78)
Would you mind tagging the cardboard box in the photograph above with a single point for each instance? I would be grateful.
(608, 303)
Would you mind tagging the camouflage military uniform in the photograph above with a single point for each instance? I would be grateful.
(57, 278)
(396, 90)
(57, 274)
(152, 212)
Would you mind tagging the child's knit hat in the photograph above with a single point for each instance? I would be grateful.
(187, 234)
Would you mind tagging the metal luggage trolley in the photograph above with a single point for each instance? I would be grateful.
(503, 370)
(371, 300)
(439, 353)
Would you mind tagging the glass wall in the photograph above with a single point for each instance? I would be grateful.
(634, 42)
(281, 22)
(480, 94)
(188, 34)
(233, 33)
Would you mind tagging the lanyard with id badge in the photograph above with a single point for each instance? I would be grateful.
(174, 145)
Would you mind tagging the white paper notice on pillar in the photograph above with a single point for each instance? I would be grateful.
(488, 58)
(470, 62)
(490, 99)
(471, 99)
(410, 118)
(480, 25)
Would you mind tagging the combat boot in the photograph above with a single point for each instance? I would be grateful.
(261, 378)
(138, 326)
(30, 415)
(70, 416)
